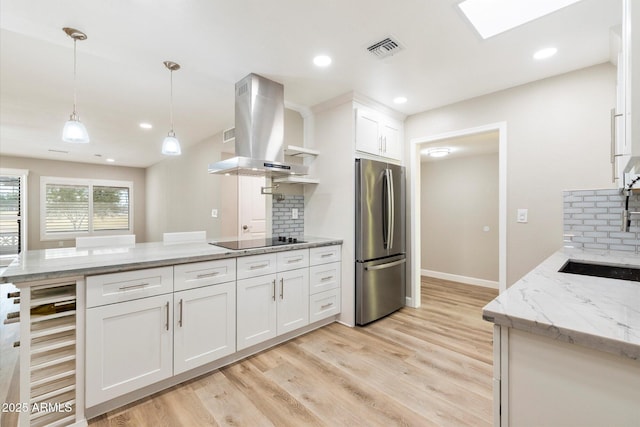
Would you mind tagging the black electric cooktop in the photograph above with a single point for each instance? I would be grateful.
(257, 243)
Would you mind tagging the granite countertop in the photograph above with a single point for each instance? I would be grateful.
(66, 262)
(599, 313)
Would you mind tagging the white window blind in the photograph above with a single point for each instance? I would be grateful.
(10, 215)
(75, 207)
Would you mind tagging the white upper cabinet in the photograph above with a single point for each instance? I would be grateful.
(378, 134)
(625, 153)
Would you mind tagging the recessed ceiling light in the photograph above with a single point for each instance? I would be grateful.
(545, 53)
(322, 60)
(437, 151)
(110, 160)
(400, 100)
(146, 125)
(491, 17)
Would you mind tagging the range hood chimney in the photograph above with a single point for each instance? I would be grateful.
(259, 132)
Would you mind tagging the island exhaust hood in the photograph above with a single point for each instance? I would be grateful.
(259, 132)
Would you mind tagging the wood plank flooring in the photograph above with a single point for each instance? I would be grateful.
(430, 366)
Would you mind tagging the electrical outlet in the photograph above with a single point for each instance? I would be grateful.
(523, 215)
(294, 213)
(214, 213)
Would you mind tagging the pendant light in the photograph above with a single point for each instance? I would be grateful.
(74, 130)
(171, 145)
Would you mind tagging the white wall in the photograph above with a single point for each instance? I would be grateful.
(557, 138)
(459, 198)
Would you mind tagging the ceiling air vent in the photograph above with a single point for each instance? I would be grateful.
(386, 47)
(228, 135)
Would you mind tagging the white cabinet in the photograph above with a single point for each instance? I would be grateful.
(129, 345)
(272, 304)
(378, 134)
(325, 278)
(625, 152)
(204, 325)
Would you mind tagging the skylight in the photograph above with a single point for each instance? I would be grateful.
(491, 17)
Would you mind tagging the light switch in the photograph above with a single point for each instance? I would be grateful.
(294, 213)
(214, 213)
(523, 215)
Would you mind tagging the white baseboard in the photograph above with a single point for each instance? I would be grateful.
(462, 279)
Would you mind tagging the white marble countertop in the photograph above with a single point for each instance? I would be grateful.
(66, 262)
(600, 313)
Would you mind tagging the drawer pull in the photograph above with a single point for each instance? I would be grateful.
(326, 255)
(205, 275)
(291, 261)
(323, 307)
(324, 279)
(130, 287)
(255, 267)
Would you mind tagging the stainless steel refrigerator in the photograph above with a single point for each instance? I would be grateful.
(380, 239)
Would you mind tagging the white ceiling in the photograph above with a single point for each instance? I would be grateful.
(476, 144)
(122, 81)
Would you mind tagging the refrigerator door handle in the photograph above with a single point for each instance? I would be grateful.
(392, 217)
(387, 265)
(388, 208)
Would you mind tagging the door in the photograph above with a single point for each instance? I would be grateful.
(391, 143)
(204, 325)
(367, 132)
(293, 300)
(380, 288)
(129, 345)
(256, 310)
(379, 209)
(252, 208)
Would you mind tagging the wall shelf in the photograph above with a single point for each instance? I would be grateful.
(293, 150)
(296, 180)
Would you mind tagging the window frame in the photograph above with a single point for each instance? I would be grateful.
(23, 174)
(90, 183)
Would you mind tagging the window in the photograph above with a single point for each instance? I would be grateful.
(10, 215)
(77, 207)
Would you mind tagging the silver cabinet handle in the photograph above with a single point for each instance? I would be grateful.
(282, 288)
(137, 286)
(205, 275)
(274, 289)
(614, 137)
(291, 261)
(324, 279)
(167, 324)
(180, 318)
(322, 307)
(326, 255)
(255, 267)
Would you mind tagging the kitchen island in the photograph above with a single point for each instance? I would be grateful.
(567, 346)
(103, 327)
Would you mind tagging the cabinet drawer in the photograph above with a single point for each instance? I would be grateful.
(324, 304)
(324, 277)
(197, 274)
(129, 285)
(325, 254)
(290, 260)
(256, 265)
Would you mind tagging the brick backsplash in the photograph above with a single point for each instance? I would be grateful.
(593, 220)
(281, 222)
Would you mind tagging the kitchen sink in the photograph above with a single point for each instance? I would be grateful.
(601, 270)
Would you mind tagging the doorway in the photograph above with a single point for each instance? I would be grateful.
(416, 144)
(252, 208)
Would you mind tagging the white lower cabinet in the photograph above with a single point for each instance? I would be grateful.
(204, 325)
(129, 345)
(271, 305)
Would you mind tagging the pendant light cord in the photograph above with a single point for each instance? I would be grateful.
(172, 133)
(75, 115)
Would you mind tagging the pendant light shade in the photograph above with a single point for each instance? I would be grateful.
(74, 130)
(171, 145)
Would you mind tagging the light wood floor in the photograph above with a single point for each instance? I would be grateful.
(418, 367)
